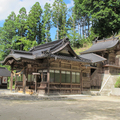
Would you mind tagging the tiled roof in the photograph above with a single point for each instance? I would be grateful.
(4, 72)
(101, 45)
(45, 50)
(93, 57)
(71, 58)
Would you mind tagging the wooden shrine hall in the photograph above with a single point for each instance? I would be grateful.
(49, 68)
(108, 51)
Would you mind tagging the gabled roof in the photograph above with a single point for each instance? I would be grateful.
(4, 72)
(101, 45)
(47, 50)
(93, 57)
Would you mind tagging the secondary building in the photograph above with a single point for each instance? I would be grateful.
(105, 56)
(4, 74)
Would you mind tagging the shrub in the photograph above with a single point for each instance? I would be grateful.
(117, 84)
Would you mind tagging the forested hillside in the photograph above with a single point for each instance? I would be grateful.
(84, 22)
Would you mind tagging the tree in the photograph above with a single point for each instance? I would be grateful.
(21, 22)
(27, 43)
(21, 25)
(73, 34)
(34, 24)
(59, 13)
(47, 22)
(7, 35)
(105, 15)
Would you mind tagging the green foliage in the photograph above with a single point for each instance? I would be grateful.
(6, 35)
(24, 31)
(27, 43)
(117, 84)
(34, 24)
(47, 22)
(105, 15)
(59, 14)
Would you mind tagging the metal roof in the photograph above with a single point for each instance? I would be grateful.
(4, 72)
(93, 57)
(102, 45)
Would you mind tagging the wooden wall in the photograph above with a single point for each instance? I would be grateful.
(61, 65)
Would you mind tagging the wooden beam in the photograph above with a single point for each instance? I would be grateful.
(57, 68)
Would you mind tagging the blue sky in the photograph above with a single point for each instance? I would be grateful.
(7, 6)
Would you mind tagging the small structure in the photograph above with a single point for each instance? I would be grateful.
(4, 74)
(105, 55)
(49, 68)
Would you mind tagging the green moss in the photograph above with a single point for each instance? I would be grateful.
(117, 84)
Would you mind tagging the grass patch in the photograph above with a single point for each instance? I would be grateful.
(117, 84)
(85, 47)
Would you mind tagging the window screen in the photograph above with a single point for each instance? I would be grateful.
(51, 75)
(62, 76)
(57, 76)
(67, 77)
(77, 77)
(73, 77)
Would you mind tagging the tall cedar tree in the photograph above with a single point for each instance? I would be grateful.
(34, 23)
(83, 18)
(105, 15)
(59, 14)
(21, 26)
(73, 35)
(47, 22)
(7, 33)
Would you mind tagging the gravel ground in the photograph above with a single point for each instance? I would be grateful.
(24, 107)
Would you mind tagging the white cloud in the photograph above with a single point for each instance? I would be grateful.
(71, 4)
(7, 6)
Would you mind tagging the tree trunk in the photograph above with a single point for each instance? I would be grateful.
(88, 25)
(83, 28)
(78, 27)
(57, 31)
(46, 37)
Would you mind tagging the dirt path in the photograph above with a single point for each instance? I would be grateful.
(59, 108)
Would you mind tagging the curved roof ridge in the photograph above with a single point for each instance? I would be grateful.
(45, 45)
(100, 46)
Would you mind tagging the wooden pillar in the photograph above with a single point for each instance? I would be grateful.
(60, 75)
(71, 81)
(81, 81)
(35, 77)
(24, 81)
(11, 81)
(48, 80)
(60, 80)
(15, 81)
(71, 78)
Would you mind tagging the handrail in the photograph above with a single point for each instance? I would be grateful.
(104, 84)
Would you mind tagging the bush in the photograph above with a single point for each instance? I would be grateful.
(117, 84)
